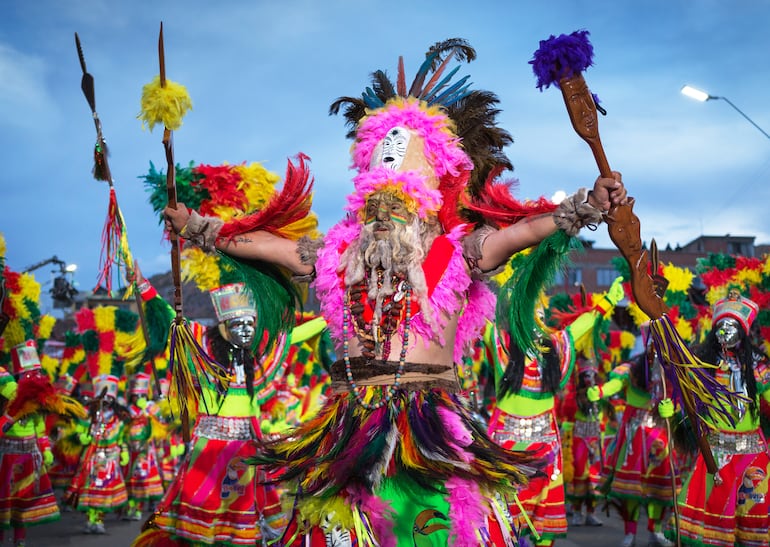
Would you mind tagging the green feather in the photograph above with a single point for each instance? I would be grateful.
(532, 273)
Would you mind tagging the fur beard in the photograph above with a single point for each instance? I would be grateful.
(401, 255)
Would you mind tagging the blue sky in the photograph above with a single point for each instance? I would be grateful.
(262, 74)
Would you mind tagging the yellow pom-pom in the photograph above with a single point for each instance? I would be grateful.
(165, 105)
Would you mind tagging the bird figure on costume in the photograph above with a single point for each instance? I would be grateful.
(395, 456)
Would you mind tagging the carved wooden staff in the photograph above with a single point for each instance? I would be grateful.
(102, 172)
(560, 61)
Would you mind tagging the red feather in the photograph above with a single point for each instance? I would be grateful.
(223, 183)
(290, 205)
(497, 204)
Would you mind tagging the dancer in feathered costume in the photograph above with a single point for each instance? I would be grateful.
(395, 456)
(234, 505)
(26, 494)
(113, 343)
(731, 507)
(142, 473)
(524, 418)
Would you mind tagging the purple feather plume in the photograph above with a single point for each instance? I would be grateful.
(561, 56)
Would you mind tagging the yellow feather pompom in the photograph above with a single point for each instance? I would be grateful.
(627, 340)
(748, 278)
(2, 246)
(636, 313)
(165, 105)
(684, 328)
(766, 265)
(315, 510)
(104, 362)
(50, 366)
(716, 293)
(679, 279)
(29, 287)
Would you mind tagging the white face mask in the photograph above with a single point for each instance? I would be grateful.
(241, 331)
(391, 151)
(728, 332)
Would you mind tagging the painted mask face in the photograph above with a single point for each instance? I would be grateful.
(384, 211)
(728, 332)
(241, 331)
(391, 151)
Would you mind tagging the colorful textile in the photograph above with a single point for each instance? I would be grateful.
(639, 466)
(215, 498)
(543, 497)
(99, 482)
(26, 495)
(586, 460)
(734, 512)
(143, 475)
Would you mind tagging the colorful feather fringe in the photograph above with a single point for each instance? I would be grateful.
(532, 273)
(691, 383)
(36, 393)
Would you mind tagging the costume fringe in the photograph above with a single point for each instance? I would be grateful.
(112, 233)
(344, 442)
(691, 383)
(35, 393)
(190, 366)
(520, 293)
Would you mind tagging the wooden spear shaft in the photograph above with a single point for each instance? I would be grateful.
(176, 270)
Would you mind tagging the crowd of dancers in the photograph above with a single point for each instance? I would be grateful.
(438, 396)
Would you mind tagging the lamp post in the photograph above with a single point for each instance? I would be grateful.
(702, 96)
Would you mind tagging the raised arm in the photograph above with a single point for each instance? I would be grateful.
(581, 209)
(258, 245)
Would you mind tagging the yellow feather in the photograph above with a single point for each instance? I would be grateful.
(165, 105)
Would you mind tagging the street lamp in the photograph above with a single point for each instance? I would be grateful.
(702, 96)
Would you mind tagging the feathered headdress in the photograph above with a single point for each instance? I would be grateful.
(457, 125)
(722, 273)
(246, 198)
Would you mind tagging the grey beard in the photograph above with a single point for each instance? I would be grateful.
(401, 254)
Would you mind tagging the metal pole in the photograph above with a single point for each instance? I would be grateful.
(739, 111)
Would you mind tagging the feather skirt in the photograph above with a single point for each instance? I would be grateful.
(362, 469)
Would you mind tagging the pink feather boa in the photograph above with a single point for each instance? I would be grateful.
(378, 512)
(467, 512)
(442, 146)
(448, 298)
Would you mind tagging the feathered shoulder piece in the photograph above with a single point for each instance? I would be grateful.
(287, 213)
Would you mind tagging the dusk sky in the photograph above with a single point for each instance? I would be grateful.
(262, 74)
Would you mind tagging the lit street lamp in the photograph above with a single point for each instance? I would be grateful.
(702, 96)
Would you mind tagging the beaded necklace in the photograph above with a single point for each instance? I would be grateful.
(372, 334)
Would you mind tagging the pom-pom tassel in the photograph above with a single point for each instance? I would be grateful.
(101, 171)
(166, 104)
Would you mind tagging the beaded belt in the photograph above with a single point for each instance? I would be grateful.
(222, 428)
(726, 443)
(530, 429)
(18, 445)
(586, 429)
(417, 376)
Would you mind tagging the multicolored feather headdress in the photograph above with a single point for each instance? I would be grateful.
(456, 127)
